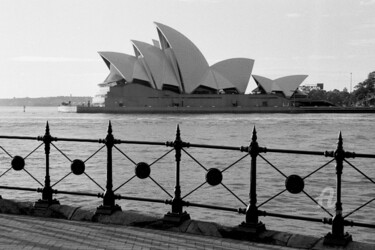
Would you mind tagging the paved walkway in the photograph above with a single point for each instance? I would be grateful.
(26, 232)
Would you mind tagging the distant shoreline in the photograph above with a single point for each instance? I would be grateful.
(45, 101)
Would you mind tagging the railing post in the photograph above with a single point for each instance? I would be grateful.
(177, 215)
(337, 237)
(252, 222)
(47, 197)
(109, 205)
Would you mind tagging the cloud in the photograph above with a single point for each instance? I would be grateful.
(52, 59)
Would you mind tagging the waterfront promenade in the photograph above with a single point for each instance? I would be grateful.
(27, 232)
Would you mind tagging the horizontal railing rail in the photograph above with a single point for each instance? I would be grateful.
(214, 176)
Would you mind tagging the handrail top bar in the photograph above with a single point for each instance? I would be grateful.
(79, 140)
(290, 151)
(140, 142)
(191, 145)
(19, 137)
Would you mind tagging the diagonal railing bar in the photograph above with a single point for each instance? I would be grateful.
(161, 187)
(307, 176)
(272, 166)
(273, 197)
(97, 151)
(32, 177)
(125, 155)
(34, 150)
(124, 183)
(61, 152)
(195, 189)
(194, 159)
(230, 191)
(161, 157)
(317, 203)
(6, 152)
(234, 163)
(368, 178)
(61, 179)
(355, 210)
(5, 172)
(94, 181)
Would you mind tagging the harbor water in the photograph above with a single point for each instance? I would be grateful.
(312, 132)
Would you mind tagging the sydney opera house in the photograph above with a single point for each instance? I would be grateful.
(172, 73)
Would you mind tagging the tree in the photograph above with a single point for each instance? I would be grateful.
(363, 90)
(317, 94)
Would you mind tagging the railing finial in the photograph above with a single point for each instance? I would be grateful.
(47, 129)
(254, 137)
(178, 133)
(340, 141)
(109, 127)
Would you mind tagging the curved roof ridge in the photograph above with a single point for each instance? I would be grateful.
(157, 64)
(191, 63)
(289, 84)
(222, 81)
(264, 82)
(285, 84)
(123, 63)
(236, 70)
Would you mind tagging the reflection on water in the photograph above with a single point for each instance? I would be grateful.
(316, 132)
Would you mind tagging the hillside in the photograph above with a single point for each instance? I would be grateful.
(45, 101)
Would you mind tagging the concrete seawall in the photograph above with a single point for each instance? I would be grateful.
(136, 219)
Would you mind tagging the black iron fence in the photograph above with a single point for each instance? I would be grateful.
(293, 183)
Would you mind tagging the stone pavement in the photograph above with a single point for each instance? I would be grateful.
(27, 232)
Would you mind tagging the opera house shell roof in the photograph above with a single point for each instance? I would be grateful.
(286, 85)
(174, 63)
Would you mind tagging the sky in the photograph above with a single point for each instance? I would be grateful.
(49, 48)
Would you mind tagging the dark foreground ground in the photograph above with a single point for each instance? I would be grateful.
(66, 227)
(27, 232)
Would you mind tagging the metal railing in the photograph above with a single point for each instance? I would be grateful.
(293, 183)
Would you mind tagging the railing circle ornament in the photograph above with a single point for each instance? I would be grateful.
(294, 184)
(214, 176)
(142, 170)
(77, 167)
(18, 163)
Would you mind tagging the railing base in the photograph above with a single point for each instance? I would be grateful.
(176, 218)
(330, 239)
(107, 210)
(253, 228)
(44, 204)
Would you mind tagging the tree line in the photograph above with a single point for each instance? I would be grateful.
(363, 94)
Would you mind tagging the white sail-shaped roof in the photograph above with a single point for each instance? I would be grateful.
(235, 70)
(191, 63)
(114, 75)
(175, 63)
(140, 72)
(158, 65)
(264, 83)
(287, 84)
(123, 63)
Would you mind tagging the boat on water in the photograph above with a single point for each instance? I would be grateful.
(67, 107)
